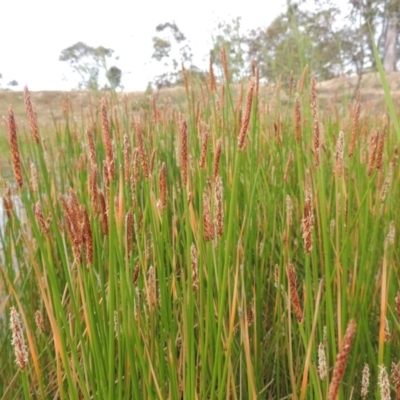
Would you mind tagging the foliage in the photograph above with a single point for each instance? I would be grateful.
(229, 35)
(172, 50)
(87, 62)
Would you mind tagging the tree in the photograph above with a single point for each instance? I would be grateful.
(12, 83)
(172, 49)
(114, 75)
(299, 36)
(87, 62)
(391, 36)
(228, 35)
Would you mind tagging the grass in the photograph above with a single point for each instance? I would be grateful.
(152, 282)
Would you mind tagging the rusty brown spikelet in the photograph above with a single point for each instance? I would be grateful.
(213, 85)
(381, 146)
(372, 150)
(219, 206)
(103, 209)
(7, 201)
(135, 274)
(217, 158)
(18, 340)
(127, 155)
(151, 289)
(34, 184)
(341, 360)
(107, 139)
(356, 121)
(365, 381)
(314, 112)
(208, 227)
(297, 119)
(294, 296)
(195, 271)
(290, 83)
(308, 217)
(116, 122)
(153, 159)
(93, 188)
(87, 237)
(163, 186)
(302, 80)
(383, 383)
(204, 142)
(31, 115)
(135, 165)
(129, 232)
(77, 214)
(339, 156)
(39, 321)
(288, 163)
(44, 225)
(12, 137)
(395, 375)
(141, 149)
(397, 300)
(224, 62)
(247, 114)
(184, 151)
(92, 149)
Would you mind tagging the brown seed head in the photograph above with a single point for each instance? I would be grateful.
(213, 85)
(297, 119)
(314, 111)
(87, 237)
(204, 142)
(127, 155)
(224, 63)
(104, 212)
(184, 152)
(208, 226)
(18, 341)
(92, 149)
(308, 218)
(16, 159)
(31, 115)
(365, 381)
(247, 114)
(39, 321)
(294, 296)
(107, 139)
(288, 163)
(34, 179)
(219, 206)
(44, 225)
(116, 122)
(163, 186)
(356, 120)
(339, 166)
(395, 375)
(217, 158)
(142, 151)
(341, 360)
(153, 159)
(372, 150)
(195, 272)
(151, 289)
(383, 383)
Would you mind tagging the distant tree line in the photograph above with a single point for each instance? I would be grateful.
(89, 63)
(318, 33)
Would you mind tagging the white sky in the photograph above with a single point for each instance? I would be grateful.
(34, 32)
